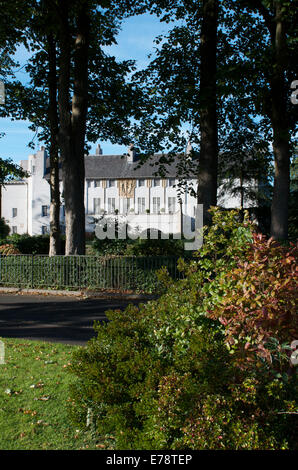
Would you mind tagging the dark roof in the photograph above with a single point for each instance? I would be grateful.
(117, 166)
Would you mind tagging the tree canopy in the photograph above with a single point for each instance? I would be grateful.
(219, 83)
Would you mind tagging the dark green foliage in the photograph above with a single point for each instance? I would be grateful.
(4, 229)
(10, 171)
(159, 376)
(125, 361)
(27, 244)
(110, 247)
(159, 247)
(139, 247)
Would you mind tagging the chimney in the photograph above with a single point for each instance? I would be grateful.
(98, 150)
(40, 161)
(131, 156)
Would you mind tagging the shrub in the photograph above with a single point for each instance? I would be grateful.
(139, 247)
(36, 244)
(160, 376)
(247, 415)
(108, 246)
(9, 249)
(27, 244)
(151, 247)
(261, 301)
(4, 229)
(116, 247)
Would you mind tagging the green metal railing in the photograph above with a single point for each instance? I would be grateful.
(76, 272)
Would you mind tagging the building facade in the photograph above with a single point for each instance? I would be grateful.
(115, 185)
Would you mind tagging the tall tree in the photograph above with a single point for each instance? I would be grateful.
(37, 101)
(73, 121)
(43, 70)
(86, 71)
(56, 100)
(207, 109)
(182, 96)
(55, 239)
(256, 64)
(268, 44)
(82, 63)
(279, 120)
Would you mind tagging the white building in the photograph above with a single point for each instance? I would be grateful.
(114, 184)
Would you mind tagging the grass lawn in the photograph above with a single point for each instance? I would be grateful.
(34, 395)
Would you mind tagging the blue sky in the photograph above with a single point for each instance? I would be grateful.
(135, 41)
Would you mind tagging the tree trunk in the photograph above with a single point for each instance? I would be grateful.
(208, 161)
(278, 115)
(78, 122)
(281, 138)
(55, 242)
(73, 126)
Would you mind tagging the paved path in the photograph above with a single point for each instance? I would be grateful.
(50, 318)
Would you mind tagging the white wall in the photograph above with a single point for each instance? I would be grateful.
(28, 197)
(14, 195)
(39, 194)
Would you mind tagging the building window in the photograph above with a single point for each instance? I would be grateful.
(156, 205)
(111, 183)
(44, 229)
(96, 205)
(33, 170)
(171, 204)
(156, 182)
(141, 183)
(14, 229)
(127, 204)
(88, 184)
(171, 181)
(14, 211)
(111, 205)
(141, 205)
(97, 183)
(44, 211)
